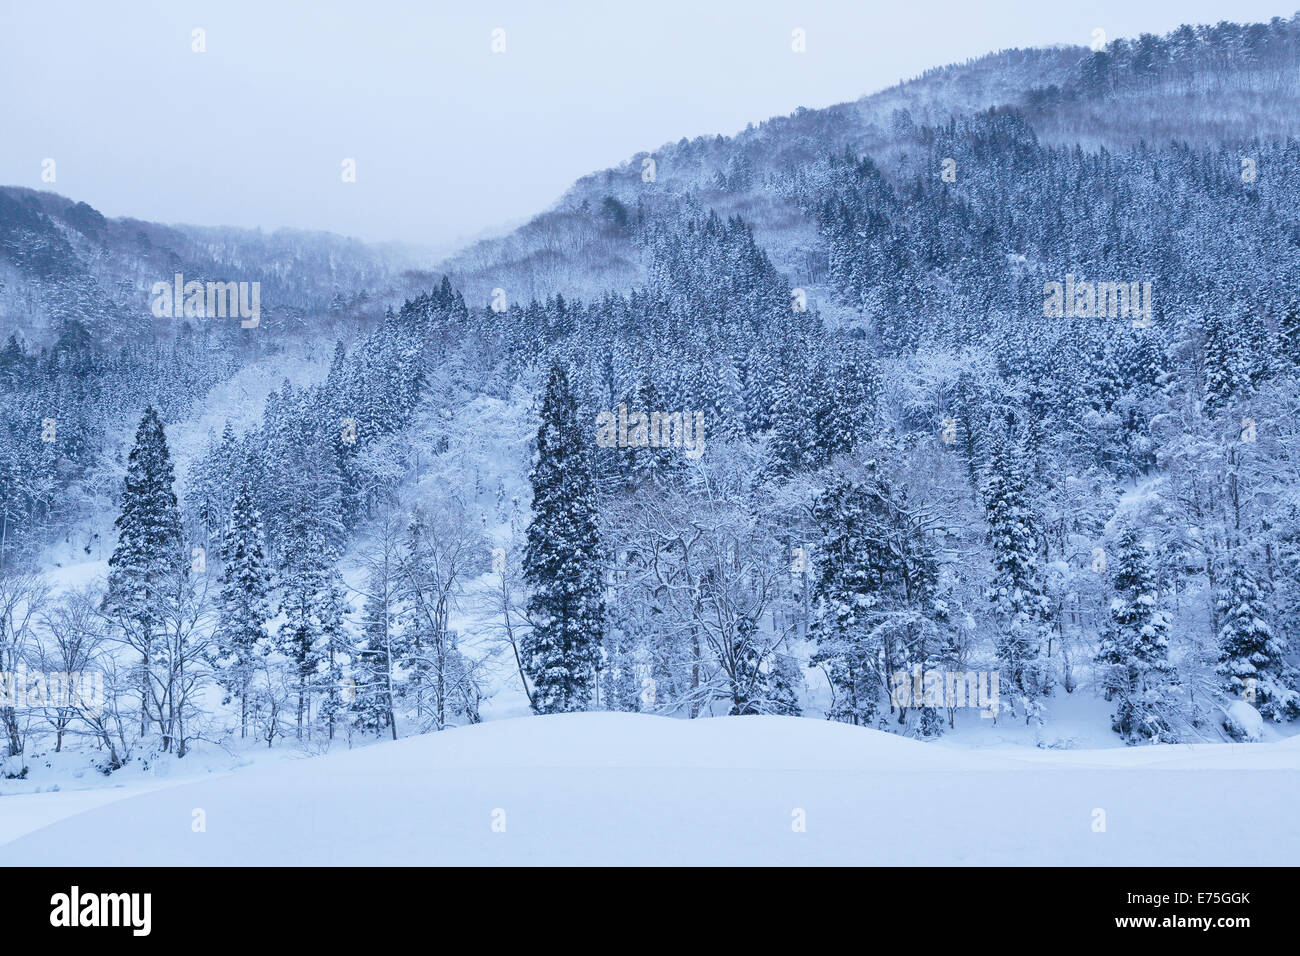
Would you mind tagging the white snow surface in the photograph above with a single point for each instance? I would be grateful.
(1245, 720)
(612, 788)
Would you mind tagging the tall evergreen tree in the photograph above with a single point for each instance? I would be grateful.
(846, 592)
(1289, 336)
(377, 652)
(1225, 377)
(1134, 651)
(562, 562)
(1019, 605)
(793, 442)
(149, 545)
(1252, 659)
(850, 404)
(312, 635)
(245, 605)
(213, 481)
(654, 466)
(337, 651)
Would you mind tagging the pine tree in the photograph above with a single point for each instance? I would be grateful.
(377, 652)
(846, 591)
(562, 562)
(297, 637)
(1017, 594)
(654, 466)
(1289, 336)
(419, 649)
(949, 658)
(245, 606)
(337, 651)
(727, 417)
(1225, 377)
(1252, 659)
(761, 680)
(794, 442)
(213, 481)
(758, 385)
(850, 405)
(149, 545)
(784, 681)
(1134, 651)
(313, 636)
(1257, 349)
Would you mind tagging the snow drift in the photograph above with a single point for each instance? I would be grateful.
(612, 788)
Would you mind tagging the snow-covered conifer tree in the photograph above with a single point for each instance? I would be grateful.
(1019, 605)
(1252, 659)
(1134, 652)
(562, 563)
(244, 602)
(149, 545)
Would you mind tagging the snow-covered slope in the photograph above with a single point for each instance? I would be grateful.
(606, 788)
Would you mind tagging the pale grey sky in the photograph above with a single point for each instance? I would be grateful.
(449, 138)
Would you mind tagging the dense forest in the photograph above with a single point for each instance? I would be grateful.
(979, 393)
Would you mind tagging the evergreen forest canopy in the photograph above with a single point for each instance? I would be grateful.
(936, 437)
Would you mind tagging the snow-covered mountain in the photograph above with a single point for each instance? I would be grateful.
(965, 413)
(1199, 86)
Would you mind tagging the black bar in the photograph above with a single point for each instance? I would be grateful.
(964, 907)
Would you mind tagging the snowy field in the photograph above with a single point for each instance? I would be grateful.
(610, 788)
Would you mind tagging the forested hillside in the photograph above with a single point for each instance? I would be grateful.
(993, 374)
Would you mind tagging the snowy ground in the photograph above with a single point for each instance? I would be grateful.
(606, 788)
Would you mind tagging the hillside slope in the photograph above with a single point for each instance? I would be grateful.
(67, 271)
(1201, 86)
